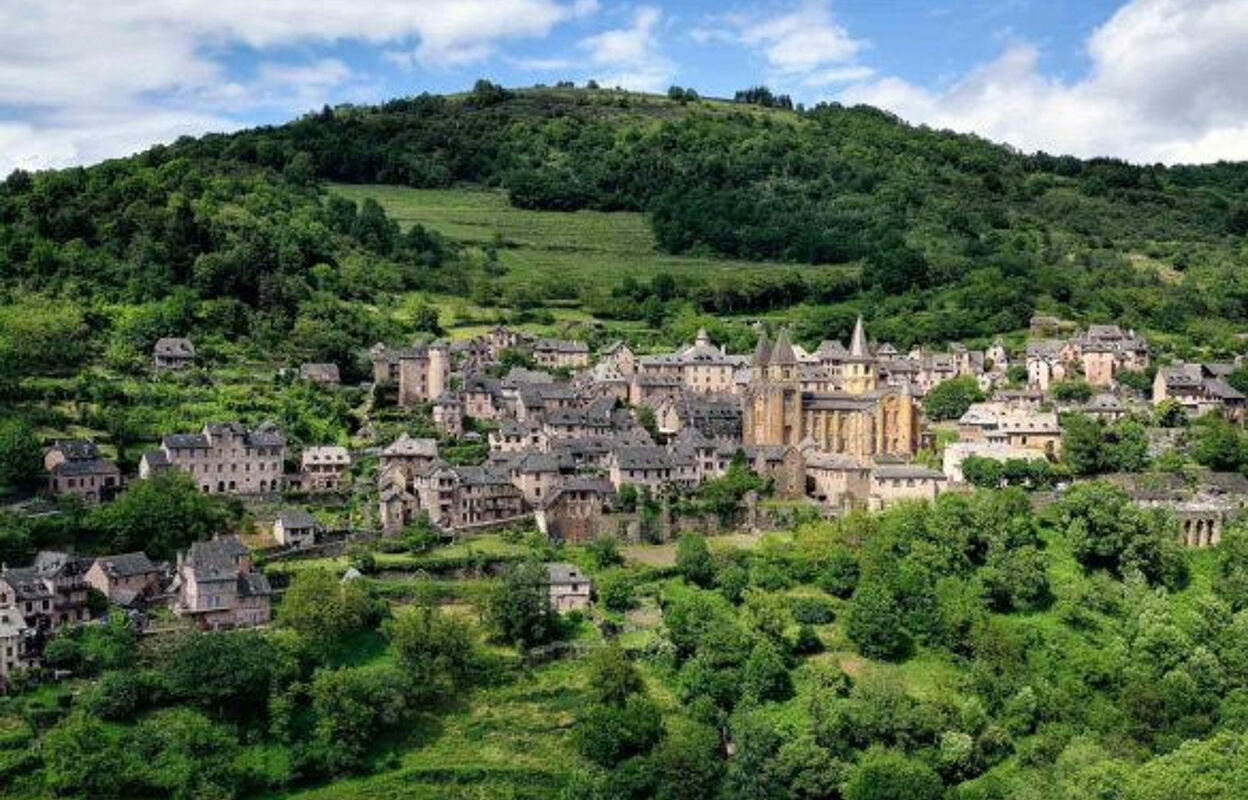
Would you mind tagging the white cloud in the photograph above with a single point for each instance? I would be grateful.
(802, 40)
(804, 46)
(631, 57)
(1166, 84)
(155, 65)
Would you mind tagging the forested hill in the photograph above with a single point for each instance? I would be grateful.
(973, 234)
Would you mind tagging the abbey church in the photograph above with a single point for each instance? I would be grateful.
(839, 405)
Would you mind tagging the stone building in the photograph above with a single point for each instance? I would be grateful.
(217, 587)
(578, 510)
(448, 414)
(173, 353)
(324, 468)
(324, 374)
(1199, 389)
(421, 373)
(569, 590)
(48, 594)
(862, 420)
(74, 466)
(555, 353)
(1012, 425)
(126, 579)
(701, 367)
(225, 458)
(295, 527)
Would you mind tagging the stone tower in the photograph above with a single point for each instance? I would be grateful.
(773, 401)
(439, 370)
(860, 375)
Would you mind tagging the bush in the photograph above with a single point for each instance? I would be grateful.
(812, 611)
(615, 591)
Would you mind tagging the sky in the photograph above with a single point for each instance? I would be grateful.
(1145, 80)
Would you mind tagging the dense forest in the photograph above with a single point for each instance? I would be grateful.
(955, 237)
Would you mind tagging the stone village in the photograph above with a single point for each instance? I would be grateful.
(576, 438)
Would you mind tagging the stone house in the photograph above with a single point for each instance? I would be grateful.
(16, 653)
(893, 483)
(225, 458)
(173, 353)
(74, 466)
(1018, 427)
(448, 414)
(535, 475)
(126, 579)
(620, 358)
(648, 465)
(217, 587)
(48, 594)
(514, 437)
(554, 353)
(1199, 389)
(578, 510)
(295, 527)
(324, 468)
(569, 590)
(421, 372)
(324, 374)
(836, 480)
(482, 397)
(408, 452)
(701, 367)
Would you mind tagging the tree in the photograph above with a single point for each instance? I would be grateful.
(1218, 445)
(608, 733)
(160, 516)
(324, 609)
(436, 651)
(612, 677)
(985, 473)
(876, 623)
(615, 590)
(1127, 446)
(83, 757)
(21, 455)
(889, 775)
(765, 676)
(686, 764)
(693, 560)
(188, 756)
(352, 706)
(950, 399)
(227, 675)
(519, 610)
(1107, 531)
(1072, 390)
(1083, 445)
(605, 551)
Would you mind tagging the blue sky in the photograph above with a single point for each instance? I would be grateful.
(1147, 80)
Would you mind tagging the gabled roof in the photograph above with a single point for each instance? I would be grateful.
(406, 446)
(296, 519)
(125, 565)
(76, 449)
(762, 351)
(562, 573)
(174, 346)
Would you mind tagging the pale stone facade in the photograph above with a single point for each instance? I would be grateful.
(224, 459)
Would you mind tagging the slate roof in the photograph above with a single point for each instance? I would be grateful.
(296, 519)
(125, 565)
(76, 449)
(174, 346)
(560, 574)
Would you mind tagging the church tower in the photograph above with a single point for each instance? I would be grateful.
(772, 413)
(860, 377)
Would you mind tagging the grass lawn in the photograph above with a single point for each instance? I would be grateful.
(545, 247)
(514, 740)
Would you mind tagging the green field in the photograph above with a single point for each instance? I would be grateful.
(547, 247)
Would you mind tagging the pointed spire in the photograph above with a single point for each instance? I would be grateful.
(762, 353)
(858, 342)
(783, 353)
(703, 339)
